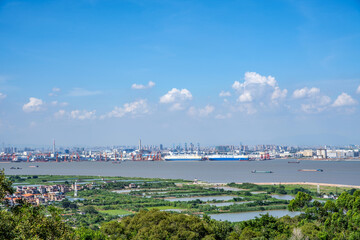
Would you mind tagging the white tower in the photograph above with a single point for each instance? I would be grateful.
(139, 144)
(75, 190)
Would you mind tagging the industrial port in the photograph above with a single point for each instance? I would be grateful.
(190, 152)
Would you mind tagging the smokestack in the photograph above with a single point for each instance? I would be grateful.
(139, 144)
(54, 147)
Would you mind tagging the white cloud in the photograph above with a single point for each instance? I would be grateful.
(34, 105)
(237, 85)
(316, 104)
(177, 107)
(358, 90)
(245, 97)
(224, 94)
(82, 115)
(344, 100)
(253, 78)
(257, 91)
(2, 96)
(278, 94)
(306, 92)
(141, 86)
(138, 86)
(176, 97)
(134, 108)
(61, 104)
(80, 92)
(151, 84)
(59, 113)
(312, 100)
(54, 91)
(223, 116)
(76, 114)
(248, 108)
(201, 112)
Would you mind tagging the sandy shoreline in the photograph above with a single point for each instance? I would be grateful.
(309, 183)
(284, 183)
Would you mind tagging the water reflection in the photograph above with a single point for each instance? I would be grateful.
(204, 199)
(283, 197)
(243, 216)
(223, 204)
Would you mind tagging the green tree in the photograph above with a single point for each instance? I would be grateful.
(28, 222)
(301, 200)
(89, 234)
(345, 201)
(90, 210)
(330, 206)
(155, 224)
(5, 185)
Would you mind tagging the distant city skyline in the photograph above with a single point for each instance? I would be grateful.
(97, 73)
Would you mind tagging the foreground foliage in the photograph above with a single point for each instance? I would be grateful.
(333, 220)
(163, 225)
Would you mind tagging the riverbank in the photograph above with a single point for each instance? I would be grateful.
(309, 184)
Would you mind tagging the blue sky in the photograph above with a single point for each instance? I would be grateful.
(107, 72)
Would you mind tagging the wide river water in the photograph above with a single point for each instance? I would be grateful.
(337, 172)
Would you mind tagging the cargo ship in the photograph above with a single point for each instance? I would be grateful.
(217, 157)
(310, 170)
(183, 158)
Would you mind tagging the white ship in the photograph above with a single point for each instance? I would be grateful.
(183, 157)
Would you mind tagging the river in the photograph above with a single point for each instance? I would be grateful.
(339, 172)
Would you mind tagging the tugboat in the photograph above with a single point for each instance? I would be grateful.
(294, 161)
(15, 168)
(256, 171)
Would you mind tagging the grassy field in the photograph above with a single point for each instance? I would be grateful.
(164, 208)
(61, 179)
(116, 212)
(313, 188)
